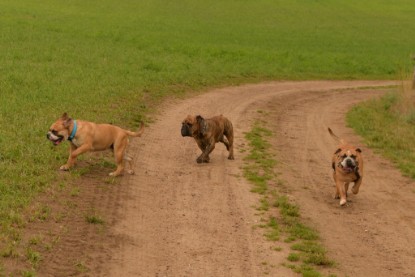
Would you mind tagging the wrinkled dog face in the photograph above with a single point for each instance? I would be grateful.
(348, 159)
(188, 125)
(59, 131)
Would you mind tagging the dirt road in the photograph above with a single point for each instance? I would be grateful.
(175, 217)
(180, 218)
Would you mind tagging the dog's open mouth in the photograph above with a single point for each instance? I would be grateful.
(56, 140)
(348, 169)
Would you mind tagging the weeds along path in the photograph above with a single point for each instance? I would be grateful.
(179, 218)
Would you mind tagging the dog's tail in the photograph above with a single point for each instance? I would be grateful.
(335, 137)
(138, 133)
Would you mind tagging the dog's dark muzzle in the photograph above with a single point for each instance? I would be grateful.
(186, 131)
(350, 163)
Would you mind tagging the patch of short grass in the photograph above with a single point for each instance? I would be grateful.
(308, 252)
(94, 219)
(33, 256)
(272, 232)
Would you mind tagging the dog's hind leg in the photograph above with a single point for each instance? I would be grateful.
(119, 150)
(229, 146)
(130, 164)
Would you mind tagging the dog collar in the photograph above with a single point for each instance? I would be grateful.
(73, 133)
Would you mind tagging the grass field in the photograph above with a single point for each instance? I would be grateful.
(110, 61)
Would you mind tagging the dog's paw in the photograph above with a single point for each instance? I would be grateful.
(64, 167)
(343, 202)
(202, 160)
(114, 174)
(131, 172)
(231, 158)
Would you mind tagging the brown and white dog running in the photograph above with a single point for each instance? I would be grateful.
(207, 132)
(87, 136)
(347, 163)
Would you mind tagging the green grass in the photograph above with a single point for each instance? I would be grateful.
(387, 126)
(110, 61)
(308, 252)
(94, 219)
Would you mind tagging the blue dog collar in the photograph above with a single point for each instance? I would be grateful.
(73, 133)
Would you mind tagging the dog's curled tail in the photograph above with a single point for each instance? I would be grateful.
(335, 137)
(138, 133)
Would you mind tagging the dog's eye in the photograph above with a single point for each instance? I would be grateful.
(54, 132)
(353, 156)
(343, 156)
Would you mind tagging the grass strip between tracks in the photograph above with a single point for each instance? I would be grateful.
(280, 217)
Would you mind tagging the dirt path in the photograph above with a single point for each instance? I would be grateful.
(179, 218)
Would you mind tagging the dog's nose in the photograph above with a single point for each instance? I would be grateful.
(349, 162)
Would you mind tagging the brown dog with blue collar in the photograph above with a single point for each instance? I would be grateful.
(87, 136)
(347, 163)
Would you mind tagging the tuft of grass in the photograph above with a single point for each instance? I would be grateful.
(313, 253)
(94, 219)
(33, 256)
(273, 232)
(28, 273)
(293, 257)
(286, 209)
(35, 240)
(263, 204)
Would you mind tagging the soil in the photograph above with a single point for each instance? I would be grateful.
(175, 217)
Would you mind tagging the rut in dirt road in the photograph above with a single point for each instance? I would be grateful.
(185, 219)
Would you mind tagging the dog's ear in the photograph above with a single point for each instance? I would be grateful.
(66, 120)
(358, 150)
(199, 119)
(202, 124)
(338, 150)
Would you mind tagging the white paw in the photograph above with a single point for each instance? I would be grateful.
(342, 202)
(64, 167)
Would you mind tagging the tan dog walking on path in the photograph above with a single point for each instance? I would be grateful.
(207, 132)
(87, 136)
(347, 163)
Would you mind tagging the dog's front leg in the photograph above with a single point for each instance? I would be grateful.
(204, 157)
(342, 192)
(74, 152)
(356, 186)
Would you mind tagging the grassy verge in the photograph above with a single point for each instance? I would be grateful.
(387, 125)
(281, 217)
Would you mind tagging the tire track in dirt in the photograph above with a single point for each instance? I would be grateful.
(179, 218)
